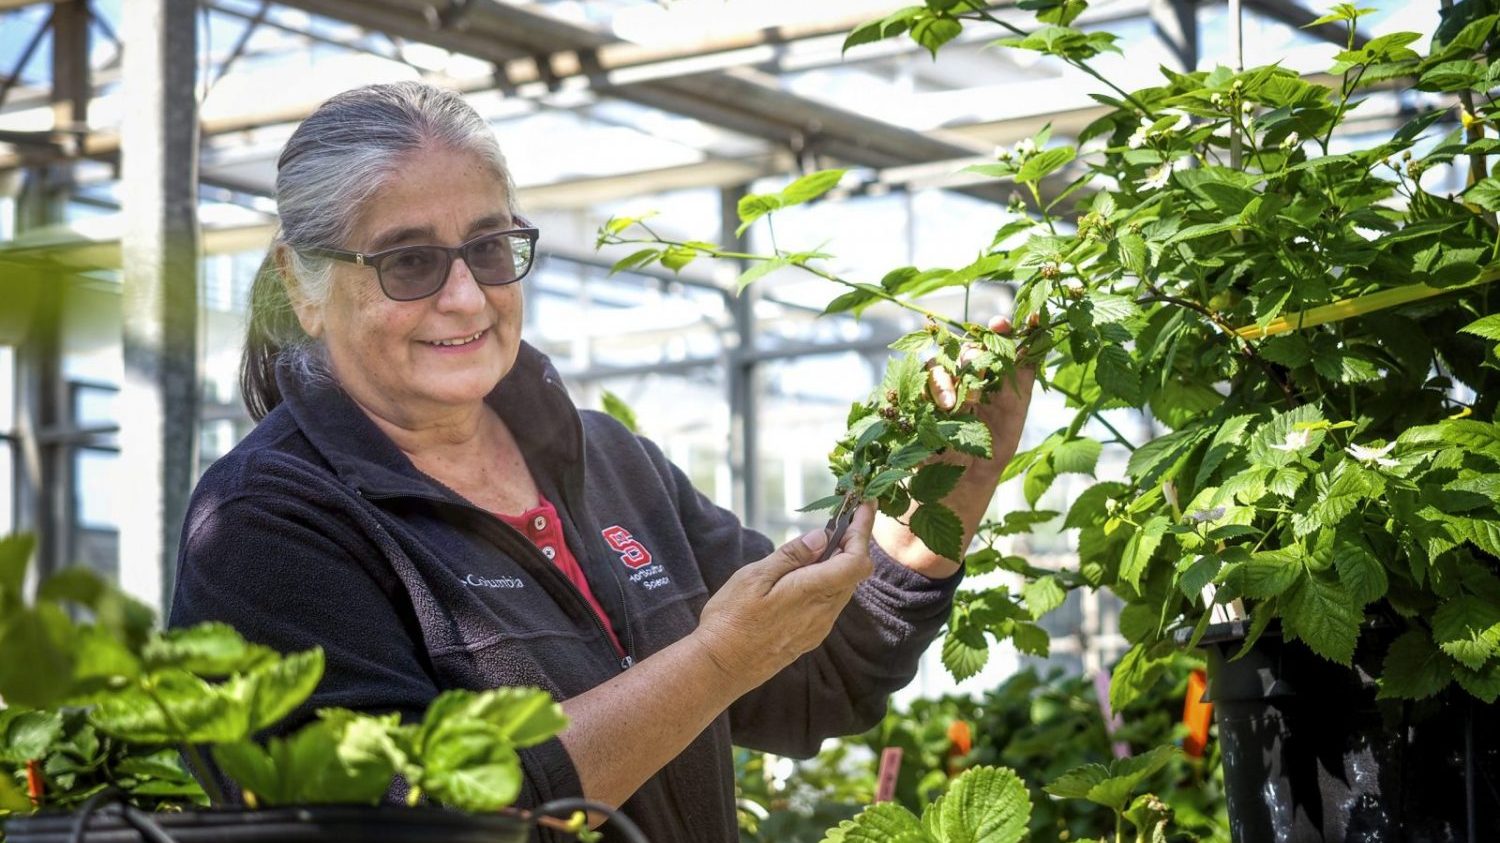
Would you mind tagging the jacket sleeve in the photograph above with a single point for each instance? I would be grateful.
(841, 687)
(292, 575)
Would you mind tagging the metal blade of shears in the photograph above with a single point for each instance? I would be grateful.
(840, 526)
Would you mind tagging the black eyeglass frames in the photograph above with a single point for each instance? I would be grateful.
(408, 273)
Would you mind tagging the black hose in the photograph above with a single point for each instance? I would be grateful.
(133, 817)
(562, 807)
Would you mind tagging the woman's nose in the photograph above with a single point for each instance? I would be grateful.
(460, 291)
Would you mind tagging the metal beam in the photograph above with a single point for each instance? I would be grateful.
(743, 376)
(24, 59)
(1176, 24)
(159, 297)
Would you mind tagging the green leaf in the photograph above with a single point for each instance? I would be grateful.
(30, 735)
(1116, 374)
(15, 555)
(468, 764)
(939, 528)
(1414, 668)
(251, 767)
(1133, 676)
(1266, 574)
(965, 652)
(277, 688)
(934, 482)
(45, 636)
(934, 31)
(810, 187)
(1140, 548)
(829, 502)
(1042, 164)
(525, 716)
(1132, 251)
(886, 822)
(634, 260)
(758, 271)
(1110, 309)
(618, 410)
(1468, 629)
(12, 798)
(1076, 456)
(1111, 786)
(1038, 480)
(754, 206)
(1043, 595)
(967, 435)
(1321, 613)
(677, 257)
(983, 805)
(208, 649)
(1489, 326)
(912, 342)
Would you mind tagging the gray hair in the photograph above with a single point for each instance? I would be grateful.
(335, 161)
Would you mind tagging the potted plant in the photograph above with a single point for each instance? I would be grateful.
(112, 713)
(1309, 323)
(1039, 726)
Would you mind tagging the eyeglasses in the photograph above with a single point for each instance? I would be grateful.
(408, 273)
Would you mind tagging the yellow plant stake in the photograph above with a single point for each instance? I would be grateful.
(1358, 306)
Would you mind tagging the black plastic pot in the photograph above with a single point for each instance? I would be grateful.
(312, 824)
(1310, 756)
(320, 824)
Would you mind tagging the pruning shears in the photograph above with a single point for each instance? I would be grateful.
(840, 525)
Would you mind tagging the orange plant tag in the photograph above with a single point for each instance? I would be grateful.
(1196, 714)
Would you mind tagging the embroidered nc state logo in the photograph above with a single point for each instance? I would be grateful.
(632, 553)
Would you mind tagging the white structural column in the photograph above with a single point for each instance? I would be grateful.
(159, 248)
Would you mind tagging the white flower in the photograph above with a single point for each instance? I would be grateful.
(1291, 141)
(1217, 100)
(1157, 178)
(1367, 454)
(1026, 147)
(1296, 440)
(1247, 107)
(1002, 153)
(1138, 138)
(1073, 285)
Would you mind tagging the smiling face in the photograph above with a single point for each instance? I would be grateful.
(409, 362)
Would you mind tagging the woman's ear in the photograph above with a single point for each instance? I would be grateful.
(309, 313)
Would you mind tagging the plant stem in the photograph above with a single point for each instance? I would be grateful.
(1078, 63)
(1097, 417)
(1119, 826)
(189, 751)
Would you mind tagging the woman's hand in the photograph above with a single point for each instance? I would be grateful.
(1004, 412)
(774, 610)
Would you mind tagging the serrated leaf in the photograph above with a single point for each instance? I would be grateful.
(275, 689)
(1076, 456)
(1038, 480)
(1321, 614)
(1133, 676)
(1044, 163)
(1266, 574)
(983, 805)
(1043, 595)
(1140, 548)
(939, 528)
(1110, 309)
(886, 822)
(965, 652)
(970, 436)
(1487, 327)
(912, 342)
(1116, 375)
(933, 482)
(1414, 668)
(1468, 629)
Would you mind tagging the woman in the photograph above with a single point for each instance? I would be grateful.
(422, 500)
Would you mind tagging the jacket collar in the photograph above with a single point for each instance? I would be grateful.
(530, 399)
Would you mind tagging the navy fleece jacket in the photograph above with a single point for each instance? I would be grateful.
(317, 530)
